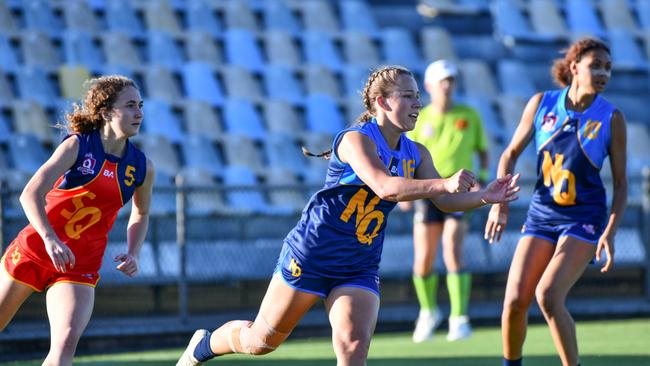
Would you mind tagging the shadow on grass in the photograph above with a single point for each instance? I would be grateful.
(432, 361)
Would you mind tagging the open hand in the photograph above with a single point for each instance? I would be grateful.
(501, 190)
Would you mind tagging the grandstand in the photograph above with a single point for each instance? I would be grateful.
(234, 88)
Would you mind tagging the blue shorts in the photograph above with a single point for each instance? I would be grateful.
(297, 275)
(587, 232)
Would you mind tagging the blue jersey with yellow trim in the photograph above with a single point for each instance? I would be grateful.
(341, 231)
(571, 147)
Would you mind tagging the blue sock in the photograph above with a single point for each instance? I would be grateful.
(202, 351)
(507, 362)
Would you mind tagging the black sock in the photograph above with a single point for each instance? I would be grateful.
(507, 362)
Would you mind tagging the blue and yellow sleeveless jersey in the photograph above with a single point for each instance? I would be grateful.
(571, 147)
(341, 231)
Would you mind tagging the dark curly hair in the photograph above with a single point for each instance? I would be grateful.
(560, 70)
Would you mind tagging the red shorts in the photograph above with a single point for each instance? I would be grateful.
(27, 272)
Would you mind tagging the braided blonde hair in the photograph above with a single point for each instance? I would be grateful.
(381, 82)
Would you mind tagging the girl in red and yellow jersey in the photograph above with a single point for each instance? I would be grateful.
(71, 203)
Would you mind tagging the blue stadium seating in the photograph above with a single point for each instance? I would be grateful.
(79, 49)
(323, 114)
(162, 120)
(242, 49)
(278, 17)
(320, 49)
(198, 152)
(121, 17)
(8, 55)
(26, 152)
(163, 50)
(241, 117)
(200, 83)
(200, 16)
(280, 83)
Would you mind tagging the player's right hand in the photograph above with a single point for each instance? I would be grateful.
(496, 222)
(462, 181)
(59, 253)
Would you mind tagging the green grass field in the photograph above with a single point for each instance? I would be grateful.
(620, 343)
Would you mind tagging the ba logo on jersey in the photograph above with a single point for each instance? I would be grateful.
(108, 173)
(392, 167)
(88, 165)
(549, 121)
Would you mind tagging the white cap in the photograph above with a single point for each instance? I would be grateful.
(439, 70)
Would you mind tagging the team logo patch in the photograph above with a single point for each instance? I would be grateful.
(87, 165)
(589, 228)
(15, 257)
(461, 124)
(296, 271)
(569, 128)
(392, 167)
(549, 121)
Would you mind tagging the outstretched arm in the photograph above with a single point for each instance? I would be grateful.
(138, 223)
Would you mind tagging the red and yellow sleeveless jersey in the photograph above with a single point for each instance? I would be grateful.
(84, 202)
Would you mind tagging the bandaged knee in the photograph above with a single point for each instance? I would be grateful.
(256, 338)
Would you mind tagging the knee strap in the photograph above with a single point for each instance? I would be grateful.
(254, 338)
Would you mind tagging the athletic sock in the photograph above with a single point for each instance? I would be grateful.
(459, 286)
(202, 351)
(507, 362)
(426, 289)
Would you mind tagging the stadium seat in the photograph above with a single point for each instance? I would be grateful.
(241, 117)
(201, 47)
(34, 84)
(161, 151)
(281, 49)
(511, 107)
(617, 16)
(323, 114)
(239, 16)
(319, 49)
(583, 19)
(200, 83)
(121, 17)
(281, 117)
(240, 83)
(318, 15)
(282, 151)
(6, 90)
(120, 51)
(161, 84)
(161, 120)
(280, 83)
(320, 80)
(200, 16)
(201, 198)
(626, 52)
(643, 13)
(353, 108)
(514, 79)
(484, 47)
(26, 152)
(278, 17)
(160, 17)
(360, 50)
(8, 55)
(6, 132)
(7, 22)
(147, 266)
(162, 49)
(354, 80)
(72, 79)
(638, 142)
(30, 119)
(287, 190)
(242, 49)
(38, 50)
(357, 15)
(79, 49)
(79, 17)
(200, 118)
(437, 44)
(546, 20)
(477, 79)
(241, 150)
(200, 153)
(645, 36)
(109, 69)
(244, 192)
(399, 48)
(38, 15)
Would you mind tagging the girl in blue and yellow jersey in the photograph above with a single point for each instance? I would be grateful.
(574, 130)
(334, 251)
(71, 203)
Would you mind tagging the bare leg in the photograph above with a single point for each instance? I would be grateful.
(12, 296)
(452, 244)
(529, 262)
(353, 315)
(281, 310)
(69, 307)
(425, 245)
(567, 265)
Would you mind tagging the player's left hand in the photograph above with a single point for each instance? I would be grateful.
(606, 242)
(501, 190)
(129, 265)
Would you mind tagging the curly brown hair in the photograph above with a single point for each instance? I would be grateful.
(101, 92)
(561, 72)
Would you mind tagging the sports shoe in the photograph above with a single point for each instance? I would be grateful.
(459, 328)
(426, 324)
(187, 358)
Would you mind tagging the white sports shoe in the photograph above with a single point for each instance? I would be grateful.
(187, 358)
(459, 328)
(426, 325)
